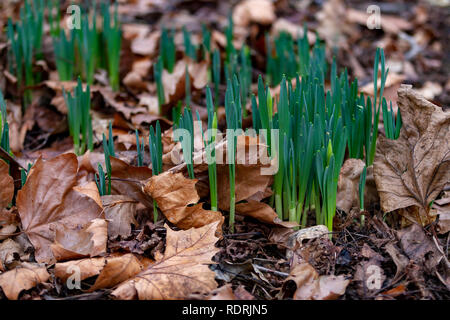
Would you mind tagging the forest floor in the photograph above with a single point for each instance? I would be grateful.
(59, 239)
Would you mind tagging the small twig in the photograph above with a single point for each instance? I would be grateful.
(415, 48)
(278, 273)
(233, 235)
(447, 263)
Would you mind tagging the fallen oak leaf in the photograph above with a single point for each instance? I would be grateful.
(48, 201)
(411, 171)
(22, 278)
(180, 272)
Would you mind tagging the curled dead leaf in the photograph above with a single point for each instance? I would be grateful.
(411, 171)
(90, 189)
(87, 268)
(177, 198)
(74, 244)
(117, 270)
(311, 286)
(7, 183)
(22, 278)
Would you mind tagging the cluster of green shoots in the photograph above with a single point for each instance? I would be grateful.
(83, 50)
(4, 128)
(157, 74)
(315, 127)
(140, 148)
(79, 118)
(233, 111)
(286, 57)
(25, 38)
(156, 151)
(237, 63)
(190, 49)
(103, 180)
(185, 135)
(210, 147)
(167, 49)
(391, 126)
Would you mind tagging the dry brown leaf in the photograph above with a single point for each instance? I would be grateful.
(109, 97)
(418, 246)
(430, 90)
(174, 83)
(334, 27)
(347, 196)
(130, 181)
(182, 271)
(139, 70)
(312, 287)
(249, 182)
(74, 244)
(90, 189)
(400, 260)
(120, 211)
(9, 250)
(442, 207)
(256, 11)
(174, 194)
(48, 202)
(7, 230)
(88, 267)
(223, 293)
(7, 185)
(198, 71)
(262, 212)
(146, 45)
(99, 230)
(348, 185)
(117, 270)
(411, 171)
(22, 278)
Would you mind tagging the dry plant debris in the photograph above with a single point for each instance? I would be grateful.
(99, 199)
